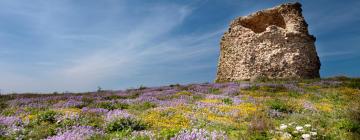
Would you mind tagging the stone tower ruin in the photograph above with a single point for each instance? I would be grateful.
(273, 43)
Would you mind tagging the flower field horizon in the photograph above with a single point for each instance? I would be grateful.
(264, 109)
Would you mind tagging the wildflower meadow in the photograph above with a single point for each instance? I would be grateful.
(277, 109)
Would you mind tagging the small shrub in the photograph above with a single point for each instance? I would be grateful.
(121, 124)
(339, 78)
(168, 133)
(253, 87)
(47, 116)
(143, 106)
(41, 131)
(114, 97)
(133, 95)
(354, 83)
(183, 88)
(260, 136)
(130, 95)
(142, 87)
(273, 88)
(120, 106)
(105, 105)
(87, 100)
(214, 91)
(99, 137)
(10, 111)
(280, 105)
(67, 123)
(175, 85)
(227, 101)
(349, 125)
(197, 97)
(93, 120)
(260, 123)
(112, 106)
(294, 94)
(99, 89)
(3, 106)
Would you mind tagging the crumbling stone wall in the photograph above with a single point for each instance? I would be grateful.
(272, 43)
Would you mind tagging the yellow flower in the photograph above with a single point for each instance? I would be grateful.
(220, 119)
(348, 91)
(314, 87)
(243, 109)
(211, 101)
(166, 118)
(325, 107)
(69, 110)
(301, 84)
(28, 117)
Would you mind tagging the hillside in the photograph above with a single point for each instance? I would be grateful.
(309, 109)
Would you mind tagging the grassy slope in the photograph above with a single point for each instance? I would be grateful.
(327, 109)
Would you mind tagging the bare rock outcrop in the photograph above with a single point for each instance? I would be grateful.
(273, 43)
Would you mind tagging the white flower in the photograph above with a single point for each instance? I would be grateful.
(286, 136)
(313, 133)
(299, 128)
(306, 136)
(283, 126)
(307, 125)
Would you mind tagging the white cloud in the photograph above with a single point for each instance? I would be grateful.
(124, 55)
(146, 42)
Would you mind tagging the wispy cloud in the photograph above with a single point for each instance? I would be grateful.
(331, 17)
(148, 42)
(123, 55)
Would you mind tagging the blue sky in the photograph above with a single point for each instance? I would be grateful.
(77, 45)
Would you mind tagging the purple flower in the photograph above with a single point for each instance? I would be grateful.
(275, 113)
(9, 121)
(325, 83)
(117, 113)
(231, 89)
(68, 103)
(142, 99)
(76, 133)
(244, 85)
(152, 89)
(12, 125)
(68, 116)
(200, 134)
(198, 88)
(216, 85)
(293, 87)
(205, 104)
(173, 102)
(212, 96)
(94, 110)
(309, 106)
(143, 134)
(237, 100)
